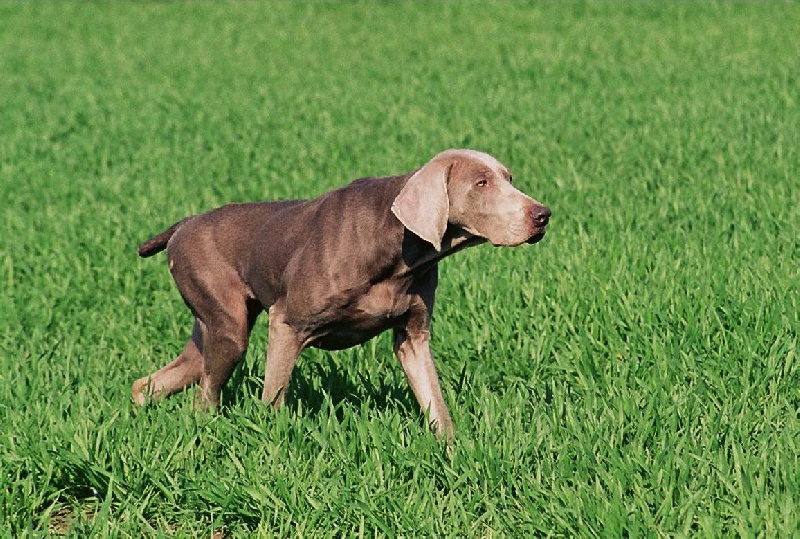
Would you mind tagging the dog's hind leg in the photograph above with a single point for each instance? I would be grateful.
(183, 372)
(227, 332)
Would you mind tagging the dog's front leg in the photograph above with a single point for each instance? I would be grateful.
(282, 350)
(414, 352)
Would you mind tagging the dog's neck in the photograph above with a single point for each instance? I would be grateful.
(420, 256)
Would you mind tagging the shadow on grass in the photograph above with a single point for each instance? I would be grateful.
(316, 385)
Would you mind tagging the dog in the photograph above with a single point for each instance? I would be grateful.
(334, 271)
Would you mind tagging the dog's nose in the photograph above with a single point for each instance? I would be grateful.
(541, 214)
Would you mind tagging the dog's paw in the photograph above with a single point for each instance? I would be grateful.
(139, 391)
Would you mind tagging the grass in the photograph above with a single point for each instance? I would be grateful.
(635, 374)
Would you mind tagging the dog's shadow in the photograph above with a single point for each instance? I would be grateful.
(321, 382)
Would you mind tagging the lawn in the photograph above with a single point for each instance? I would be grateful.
(634, 374)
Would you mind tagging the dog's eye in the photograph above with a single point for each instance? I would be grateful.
(482, 182)
(510, 179)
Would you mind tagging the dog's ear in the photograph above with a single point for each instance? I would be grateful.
(422, 205)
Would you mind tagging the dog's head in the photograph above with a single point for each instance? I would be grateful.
(474, 191)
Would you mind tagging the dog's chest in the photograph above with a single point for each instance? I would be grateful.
(382, 301)
(380, 307)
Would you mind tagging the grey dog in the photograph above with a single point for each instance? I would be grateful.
(335, 271)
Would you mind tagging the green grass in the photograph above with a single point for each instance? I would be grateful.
(635, 374)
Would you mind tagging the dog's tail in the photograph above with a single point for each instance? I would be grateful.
(158, 243)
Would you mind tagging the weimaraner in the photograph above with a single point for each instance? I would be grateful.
(335, 271)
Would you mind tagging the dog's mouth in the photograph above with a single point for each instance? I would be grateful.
(537, 236)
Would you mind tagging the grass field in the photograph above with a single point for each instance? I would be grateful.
(635, 374)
